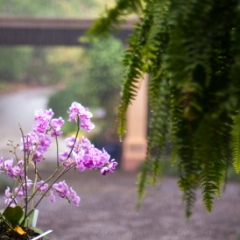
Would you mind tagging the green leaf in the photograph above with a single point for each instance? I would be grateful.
(13, 215)
(236, 147)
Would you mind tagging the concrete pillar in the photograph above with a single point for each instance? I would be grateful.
(134, 142)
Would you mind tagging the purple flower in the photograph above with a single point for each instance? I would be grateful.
(43, 187)
(29, 142)
(63, 156)
(56, 125)
(86, 145)
(43, 118)
(8, 164)
(61, 188)
(41, 147)
(29, 183)
(88, 161)
(10, 174)
(75, 199)
(44, 142)
(79, 161)
(41, 127)
(20, 163)
(9, 201)
(99, 157)
(19, 191)
(43, 115)
(7, 193)
(12, 171)
(108, 168)
(15, 171)
(52, 197)
(70, 141)
(36, 144)
(1, 164)
(38, 156)
(76, 109)
(86, 124)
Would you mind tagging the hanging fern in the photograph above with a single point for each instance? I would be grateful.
(236, 143)
(191, 51)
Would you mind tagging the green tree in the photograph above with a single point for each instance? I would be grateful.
(14, 63)
(96, 84)
(191, 51)
(101, 75)
(31, 65)
(46, 8)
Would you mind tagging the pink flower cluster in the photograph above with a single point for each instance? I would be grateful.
(63, 191)
(80, 154)
(11, 171)
(83, 113)
(17, 171)
(61, 188)
(37, 142)
(11, 198)
(85, 156)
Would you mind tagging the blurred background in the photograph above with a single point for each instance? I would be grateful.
(35, 77)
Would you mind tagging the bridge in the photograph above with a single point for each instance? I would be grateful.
(66, 32)
(50, 31)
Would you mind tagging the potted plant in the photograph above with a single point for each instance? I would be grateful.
(18, 218)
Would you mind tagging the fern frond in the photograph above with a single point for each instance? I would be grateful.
(134, 68)
(236, 143)
(174, 153)
(159, 127)
(113, 17)
(189, 196)
(156, 169)
(191, 51)
(143, 180)
(236, 150)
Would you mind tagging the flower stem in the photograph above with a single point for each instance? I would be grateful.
(25, 176)
(34, 184)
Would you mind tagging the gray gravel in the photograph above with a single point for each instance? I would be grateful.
(107, 211)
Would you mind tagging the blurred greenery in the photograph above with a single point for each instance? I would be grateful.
(53, 8)
(5, 182)
(14, 62)
(96, 84)
(171, 169)
(38, 65)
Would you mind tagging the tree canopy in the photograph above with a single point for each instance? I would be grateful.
(42, 65)
(51, 8)
(191, 51)
(97, 77)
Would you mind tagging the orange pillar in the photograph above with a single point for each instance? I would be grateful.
(134, 142)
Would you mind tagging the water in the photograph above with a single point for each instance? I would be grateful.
(18, 108)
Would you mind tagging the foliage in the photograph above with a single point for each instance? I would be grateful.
(191, 51)
(38, 65)
(96, 82)
(10, 69)
(47, 8)
(32, 65)
(40, 70)
(51, 8)
(101, 75)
